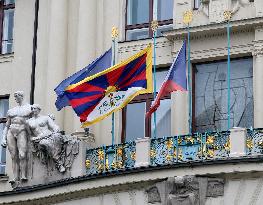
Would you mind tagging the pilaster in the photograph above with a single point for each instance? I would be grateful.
(258, 76)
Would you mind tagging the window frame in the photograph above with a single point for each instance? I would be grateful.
(148, 99)
(193, 68)
(144, 25)
(2, 10)
(3, 120)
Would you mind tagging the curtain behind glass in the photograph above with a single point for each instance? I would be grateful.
(8, 24)
(165, 10)
(135, 121)
(137, 12)
(3, 110)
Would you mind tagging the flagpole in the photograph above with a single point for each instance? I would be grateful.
(187, 19)
(154, 26)
(114, 35)
(227, 16)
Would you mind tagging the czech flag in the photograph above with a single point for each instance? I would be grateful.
(174, 80)
(97, 96)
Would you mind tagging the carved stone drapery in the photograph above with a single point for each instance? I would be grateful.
(187, 190)
(214, 9)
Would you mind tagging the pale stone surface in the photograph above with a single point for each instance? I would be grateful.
(238, 142)
(142, 158)
(179, 113)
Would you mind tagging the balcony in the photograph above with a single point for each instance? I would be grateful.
(198, 148)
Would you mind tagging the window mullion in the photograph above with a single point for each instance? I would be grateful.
(1, 24)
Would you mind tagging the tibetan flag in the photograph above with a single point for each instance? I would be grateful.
(174, 80)
(98, 65)
(97, 96)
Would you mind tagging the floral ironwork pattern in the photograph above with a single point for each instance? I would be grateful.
(255, 141)
(195, 147)
(110, 158)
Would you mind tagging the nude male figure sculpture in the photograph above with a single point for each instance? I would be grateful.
(15, 136)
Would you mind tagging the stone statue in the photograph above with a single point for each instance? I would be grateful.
(49, 143)
(15, 136)
(186, 190)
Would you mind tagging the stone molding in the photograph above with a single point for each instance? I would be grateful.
(100, 185)
(258, 48)
(215, 29)
(126, 47)
(6, 58)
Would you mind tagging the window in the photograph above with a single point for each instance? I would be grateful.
(197, 4)
(134, 124)
(7, 8)
(140, 15)
(210, 95)
(4, 104)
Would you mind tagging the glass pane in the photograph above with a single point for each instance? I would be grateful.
(6, 2)
(197, 4)
(160, 76)
(135, 121)
(7, 45)
(137, 12)
(164, 28)
(3, 107)
(2, 150)
(211, 95)
(165, 10)
(137, 34)
(163, 119)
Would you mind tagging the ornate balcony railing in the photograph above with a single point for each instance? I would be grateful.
(175, 150)
(254, 141)
(110, 158)
(196, 147)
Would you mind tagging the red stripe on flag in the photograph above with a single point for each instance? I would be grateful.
(83, 116)
(114, 76)
(168, 87)
(141, 76)
(85, 87)
(135, 68)
(77, 102)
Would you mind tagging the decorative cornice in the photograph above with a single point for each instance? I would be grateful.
(258, 48)
(86, 186)
(215, 29)
(126, 47)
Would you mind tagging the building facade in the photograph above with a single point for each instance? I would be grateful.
(43, 42)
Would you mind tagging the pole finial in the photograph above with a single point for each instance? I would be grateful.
(114, 32)
(187, 17)
(154, 25)
(227, 15)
